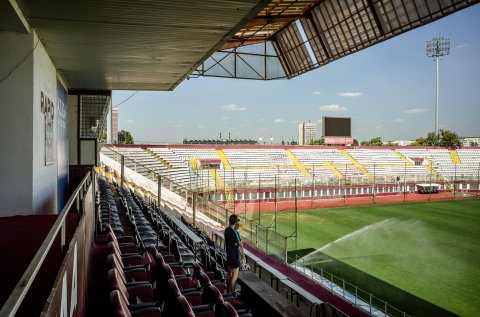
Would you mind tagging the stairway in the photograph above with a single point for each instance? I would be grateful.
(297, 164)
(334, 169)
(355, 163)
(433, 171)
(218, 179)
(226, 163)
(165, 163)
(455, 157)
(400, 155)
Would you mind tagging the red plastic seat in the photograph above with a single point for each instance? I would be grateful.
(213, 295)
(183, 281)
(131, 295)
(120, 308)
(130, 273)
(229, 310)
(205, 281)
(125, 247)
(122, 239)
(198, 311)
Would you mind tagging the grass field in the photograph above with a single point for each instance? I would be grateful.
(431, 250)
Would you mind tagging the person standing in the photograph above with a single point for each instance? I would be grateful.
(234, 248)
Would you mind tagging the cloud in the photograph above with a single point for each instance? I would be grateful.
(350, 94)
(129, 121)
(224, 118)
(317, 92)
(398, 120)
(181, 124)
(332, 108)
(233, 107)
(261, 120)
(462, 45)
(415, 110)
(279, 120)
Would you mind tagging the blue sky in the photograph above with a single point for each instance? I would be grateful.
(388, 90)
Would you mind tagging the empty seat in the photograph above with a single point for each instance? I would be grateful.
(187, 310)
(121, 309)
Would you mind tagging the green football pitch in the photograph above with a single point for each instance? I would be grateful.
(431, 250)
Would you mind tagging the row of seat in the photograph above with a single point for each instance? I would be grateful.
(141, 226)
(155, 282)
(244, 159)
(178, 243)
(107, 213)
(162, 287)
(131, 281)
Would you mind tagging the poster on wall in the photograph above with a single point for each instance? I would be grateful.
(62, 146)
(48, 110)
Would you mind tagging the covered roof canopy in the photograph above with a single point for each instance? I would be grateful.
(118, 44)
(299, 36)
(154, 45)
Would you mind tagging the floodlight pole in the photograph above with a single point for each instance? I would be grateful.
(436, 48)
(437, 94)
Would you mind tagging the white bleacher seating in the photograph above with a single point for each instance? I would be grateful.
(248, 165)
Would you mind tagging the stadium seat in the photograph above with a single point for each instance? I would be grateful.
(121, 309)
(142, 291)
(183, 281)
(130, 273)
(198, 311)
(127, 258)
(193, 295)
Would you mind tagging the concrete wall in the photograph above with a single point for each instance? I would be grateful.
(28, 185)
(16, 118)
(44, 178)
(87, 152)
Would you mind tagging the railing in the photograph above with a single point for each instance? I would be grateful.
(358, 297)
(17, 296)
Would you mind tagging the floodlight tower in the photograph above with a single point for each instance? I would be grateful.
(436, 48)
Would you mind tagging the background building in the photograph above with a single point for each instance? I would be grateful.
(114, 126)
(470, 141)
(307, 132)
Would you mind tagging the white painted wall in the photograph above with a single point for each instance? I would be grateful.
(16, 152)
(27, 185)
(87, 150)
(44, 178)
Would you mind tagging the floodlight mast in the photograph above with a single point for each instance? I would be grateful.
(436, 48)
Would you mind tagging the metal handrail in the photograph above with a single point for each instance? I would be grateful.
(18, 294)
(323, 275)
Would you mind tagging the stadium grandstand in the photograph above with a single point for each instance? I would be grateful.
(221, 141)
(235, 174)
(108, 230)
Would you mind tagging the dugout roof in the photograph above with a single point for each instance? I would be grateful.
(155, 45)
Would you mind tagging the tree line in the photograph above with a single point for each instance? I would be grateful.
(444, 138)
